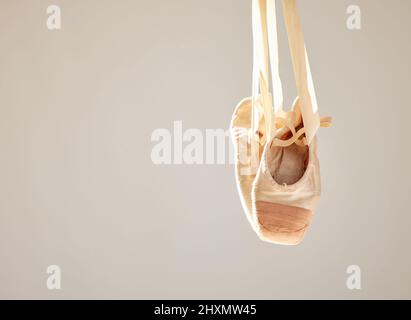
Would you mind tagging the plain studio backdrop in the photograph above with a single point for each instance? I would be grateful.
(78, 188)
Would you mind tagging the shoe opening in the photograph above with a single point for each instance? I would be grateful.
(287, 165)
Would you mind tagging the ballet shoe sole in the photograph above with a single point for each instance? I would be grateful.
(282, 224)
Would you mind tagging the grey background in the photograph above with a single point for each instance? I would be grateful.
(78, 188)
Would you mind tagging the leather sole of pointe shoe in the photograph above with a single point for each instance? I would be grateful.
(281, 224)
